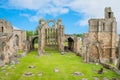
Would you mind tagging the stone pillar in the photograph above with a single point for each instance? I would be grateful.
(114, 36)
(60, 36)
(99, 29)
(77, 45)
(87, 53)
(41, 37)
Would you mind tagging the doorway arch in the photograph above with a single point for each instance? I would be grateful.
(34, 43)
(69, 44)
(94, 53)
(16, 40)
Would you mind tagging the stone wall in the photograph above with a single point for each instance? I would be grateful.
(8, 48)
(50, 36)
(73, 45)
(20, 39)
(6, 40)
(77, 45)
(99, 45)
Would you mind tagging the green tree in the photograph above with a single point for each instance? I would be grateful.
(29, 33)
(32, 33)
(78, 35)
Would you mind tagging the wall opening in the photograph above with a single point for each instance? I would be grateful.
(69, 44)
(109, 14)
(51, 39)
(2, 29)
(51, 24)
(16, 40)
(35, 43)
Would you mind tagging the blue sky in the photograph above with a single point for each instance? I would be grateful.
(75, 14)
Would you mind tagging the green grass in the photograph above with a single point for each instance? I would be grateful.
(36, 45)
(67, 64)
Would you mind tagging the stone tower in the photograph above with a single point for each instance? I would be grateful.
(50, 36)
(102, 38)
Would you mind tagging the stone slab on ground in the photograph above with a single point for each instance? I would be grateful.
(78, 74)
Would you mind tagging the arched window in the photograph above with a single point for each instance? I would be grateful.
(34, 43)
(16, 40)
(2, 29)
(109, 14)
(70, 44)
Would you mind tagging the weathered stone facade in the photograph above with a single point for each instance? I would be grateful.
(8, 48)
(73, 43)
(20, 39)
(50, 36)
(31, 41)
(54, 37)
(99, 45)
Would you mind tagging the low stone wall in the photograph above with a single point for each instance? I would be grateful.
(1, 63)
(107, 66)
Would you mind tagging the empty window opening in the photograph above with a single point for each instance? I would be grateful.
(109, 14)
(2, 29)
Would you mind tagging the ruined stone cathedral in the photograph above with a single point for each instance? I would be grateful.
(99, 45)
(50, 36)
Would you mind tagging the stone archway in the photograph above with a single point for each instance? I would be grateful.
(50, 37)
(69, 44)
(94, 55)
(49, 22)
(16, 40)
(34, 42)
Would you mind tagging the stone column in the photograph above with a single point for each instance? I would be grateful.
(76, 45)
(114, 36)
(61, 36)
(61, 39)
(41, 37)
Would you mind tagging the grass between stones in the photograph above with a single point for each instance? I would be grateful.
(67, 64)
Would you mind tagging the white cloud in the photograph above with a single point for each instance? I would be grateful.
(95, 9)
(50, 7)
(16, 28)
(29, 4)
(83, 22)
(89, 8)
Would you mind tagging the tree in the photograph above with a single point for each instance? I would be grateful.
(29, 33)
(78, 35)
(32, 33)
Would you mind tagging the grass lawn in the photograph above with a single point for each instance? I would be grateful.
(67, 64)
(36, 45)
